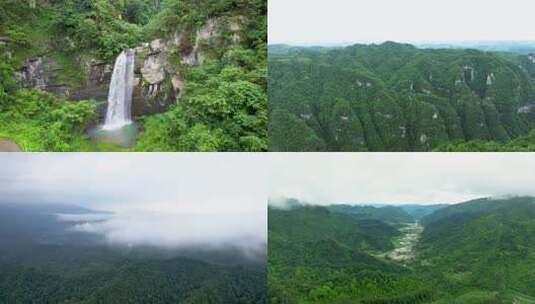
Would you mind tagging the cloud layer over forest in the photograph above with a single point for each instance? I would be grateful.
(175, 199)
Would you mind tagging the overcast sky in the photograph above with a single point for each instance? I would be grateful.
(325, 178)
(205, 198)
(169, 199)
(341, 21)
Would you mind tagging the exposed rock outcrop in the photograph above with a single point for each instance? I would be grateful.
(31, 74)
(157, 82)
(152, 70)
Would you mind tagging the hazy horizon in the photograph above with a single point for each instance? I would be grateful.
(414, 42)
(342, 21)
(400, 178)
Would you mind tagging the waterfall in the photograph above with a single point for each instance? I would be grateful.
(120, 95)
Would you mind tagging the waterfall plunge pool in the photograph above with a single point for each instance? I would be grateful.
(124, 136)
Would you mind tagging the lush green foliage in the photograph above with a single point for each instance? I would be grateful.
(224, 104)
(395, 97)
(74, 27)
(317, 256)
(224, 110)
(485, 244)
(170, 281)
(480, 251)
(524, 143)
(39, 121)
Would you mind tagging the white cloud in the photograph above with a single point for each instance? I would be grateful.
(169, 199)
(175, 230)
(85, 217)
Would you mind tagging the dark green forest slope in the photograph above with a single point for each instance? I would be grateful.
(481, 251)
(486, 243)
(396, 97)
(319, 256)
(200, 72)
(45, 261)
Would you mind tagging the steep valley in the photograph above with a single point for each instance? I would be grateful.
(480, 251)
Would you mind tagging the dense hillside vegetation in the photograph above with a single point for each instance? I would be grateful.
(44, 261)
(200, 72)
(319, 256)
(396, 97)
(484, 246)
(481, 251)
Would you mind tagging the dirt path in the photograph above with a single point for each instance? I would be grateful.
(7, 145)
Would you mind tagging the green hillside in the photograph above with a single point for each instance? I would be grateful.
(317, 256)
(396, 97)
(481, 251)
(485, 243)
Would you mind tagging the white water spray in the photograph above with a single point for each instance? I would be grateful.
(120, 95)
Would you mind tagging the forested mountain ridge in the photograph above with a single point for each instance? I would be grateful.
(44, 260)
(396, 97)
(487, 244)
(480, 251)
(476, 207)
(199, 83)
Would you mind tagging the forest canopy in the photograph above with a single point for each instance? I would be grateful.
(397, 97)
(480, 251)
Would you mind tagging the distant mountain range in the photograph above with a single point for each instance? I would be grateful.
(399, 213)
(522, 47)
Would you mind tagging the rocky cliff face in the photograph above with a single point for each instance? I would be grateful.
(158, 82)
